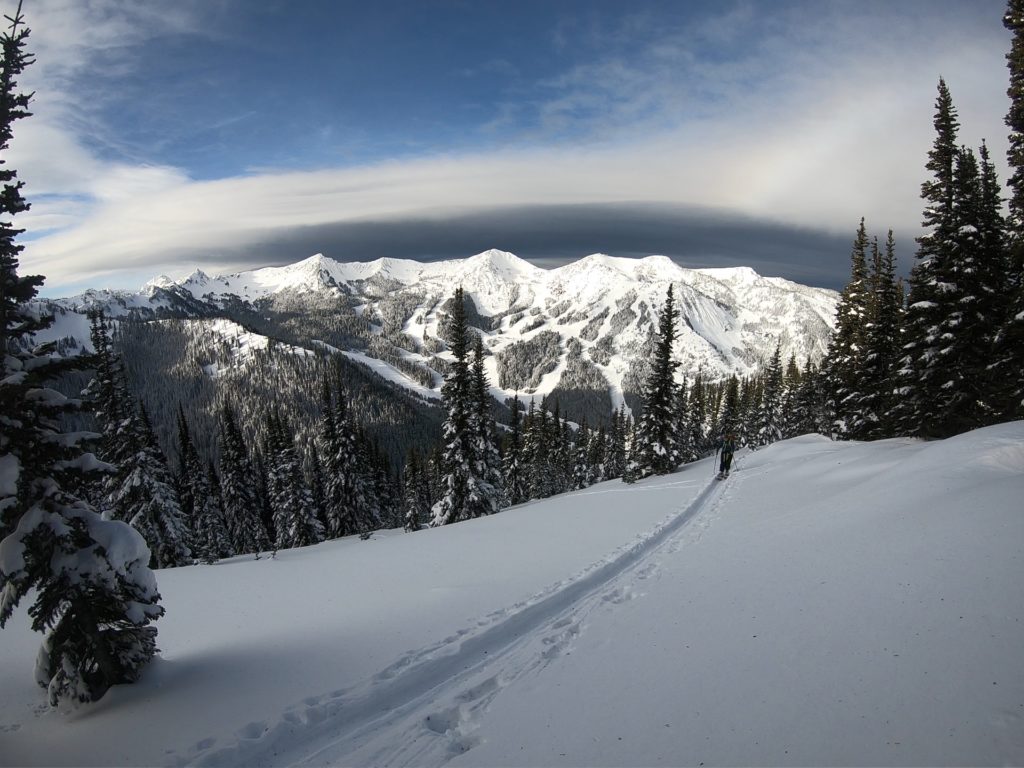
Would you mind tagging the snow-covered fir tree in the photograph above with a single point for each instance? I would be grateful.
(93, 593)
(1008, 347)
(768, 421)
(882, 342)
(513, 461)
(346, 506)
(582, 469)
(465, 493)
(655, 450)
(140, 490)
(597, 454)
(238, 490)
(295, 521)
(487, 457)
(615, 456)
(920, 377)
(416, 492)
(210, 540)
(846, 349)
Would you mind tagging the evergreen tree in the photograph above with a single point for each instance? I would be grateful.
(655, 448)
(1013, 20)
(94, 594)
(559, 453)
(209, 540)
(416, 493)
(239, 497)
(467, 489)
(140, 490)
(920, 377)
(345, 502)
(582, 469)
(615, 462)
(487, 470)
(698, 414)
(685, 443)
(1008, 365)
(597, 455)
(769, 415)
(516, 487)
(537, 447)
(144, 495)
(965, 330)
(882, 341)
(846, 350)
(315, 483)
(730, 418)
(295, 522)
(750, 397)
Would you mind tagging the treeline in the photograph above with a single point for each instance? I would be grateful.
(481, 468)
(949, 357)
(273, 492)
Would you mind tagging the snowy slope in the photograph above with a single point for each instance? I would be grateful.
(830, 603)
(607, 307)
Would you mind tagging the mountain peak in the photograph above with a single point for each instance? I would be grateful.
(197, 276)
(160, 281)
(502, 261)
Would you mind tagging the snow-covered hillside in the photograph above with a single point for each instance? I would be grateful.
(586, 324)
(829, 603)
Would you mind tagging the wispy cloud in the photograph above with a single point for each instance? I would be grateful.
(810, 118)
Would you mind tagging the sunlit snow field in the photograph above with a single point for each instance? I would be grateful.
(829, 603)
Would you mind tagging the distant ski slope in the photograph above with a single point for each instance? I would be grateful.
(601, 310)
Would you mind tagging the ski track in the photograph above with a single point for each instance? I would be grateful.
(426, 707)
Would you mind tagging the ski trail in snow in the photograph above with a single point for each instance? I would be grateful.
(426, 707)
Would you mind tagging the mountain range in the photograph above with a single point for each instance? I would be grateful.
(586, 327)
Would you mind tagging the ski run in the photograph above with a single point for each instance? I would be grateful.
(828, 603)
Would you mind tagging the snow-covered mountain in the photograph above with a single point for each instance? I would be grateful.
(584, 326)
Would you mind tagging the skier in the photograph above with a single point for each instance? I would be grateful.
(727, 448)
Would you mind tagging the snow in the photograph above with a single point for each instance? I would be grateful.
(829, 603)
(390, 373)
(9, 471)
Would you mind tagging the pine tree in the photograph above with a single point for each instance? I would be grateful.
(416, 493)
(488, 483)
(516, 488)
(882, 342)
(140, 491)
(698, 415)
(345, 488)
(1008, 348)
(655, 448)
(94, 594)
(920, 376)
(560, 455)
(144, 495)
(239, 498)
(315, 483)
(685, 444)
(847, 348)
(465, 494)
(597, 455)
(538, 447)
(582, 470)
(769, 415)
(965, 329)
(730, 418)
(295, 522)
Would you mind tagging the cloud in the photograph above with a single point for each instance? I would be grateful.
(781, 123)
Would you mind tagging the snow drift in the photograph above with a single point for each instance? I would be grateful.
(829, 603)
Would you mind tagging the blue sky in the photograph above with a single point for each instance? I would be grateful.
(231, 134)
